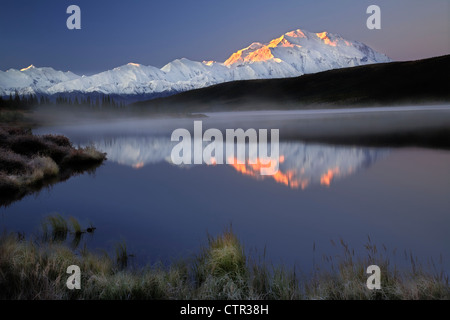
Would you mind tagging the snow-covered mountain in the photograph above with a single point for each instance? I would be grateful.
(32, 80)
(293, 54)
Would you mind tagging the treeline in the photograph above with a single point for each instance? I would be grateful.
(18, 103)
(26, 102)
(104, 101)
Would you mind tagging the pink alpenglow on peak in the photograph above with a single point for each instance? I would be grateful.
(28, 68)
(292, 54)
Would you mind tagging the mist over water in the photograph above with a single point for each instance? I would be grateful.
(323, 191)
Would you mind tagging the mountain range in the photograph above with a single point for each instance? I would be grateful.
(293, 54)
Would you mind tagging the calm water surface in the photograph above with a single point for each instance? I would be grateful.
(398, 196)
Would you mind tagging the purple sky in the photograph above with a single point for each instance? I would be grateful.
(155, 32)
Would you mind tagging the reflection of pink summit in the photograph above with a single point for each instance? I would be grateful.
(293, 54)
(300, 165)
(292, 178)
(251, 146)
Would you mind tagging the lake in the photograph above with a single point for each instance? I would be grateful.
(324, 190)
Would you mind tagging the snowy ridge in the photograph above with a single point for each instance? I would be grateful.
(293, 54)
(32, 80)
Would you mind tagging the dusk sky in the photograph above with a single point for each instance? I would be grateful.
(156, 32)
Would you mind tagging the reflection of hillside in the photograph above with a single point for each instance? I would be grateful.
(300, 164)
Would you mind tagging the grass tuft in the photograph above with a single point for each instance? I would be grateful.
(55, 228)
(76, 227)
(121, 255)
(37, 270)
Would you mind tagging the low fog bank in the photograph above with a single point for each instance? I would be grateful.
(426, 126)
(55, 115)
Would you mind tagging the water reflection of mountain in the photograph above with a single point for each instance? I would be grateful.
(300, 164)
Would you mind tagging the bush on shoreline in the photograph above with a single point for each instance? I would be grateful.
(29, 162)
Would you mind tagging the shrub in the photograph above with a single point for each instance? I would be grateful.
(29, 145)
(12, 163)
(59, 140)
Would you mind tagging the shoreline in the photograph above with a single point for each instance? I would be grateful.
(30, 162)
(220, 270)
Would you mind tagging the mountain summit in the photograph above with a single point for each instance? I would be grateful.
(293, 54)
(308, 52)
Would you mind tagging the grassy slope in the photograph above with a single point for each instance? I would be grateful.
(413, 82)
